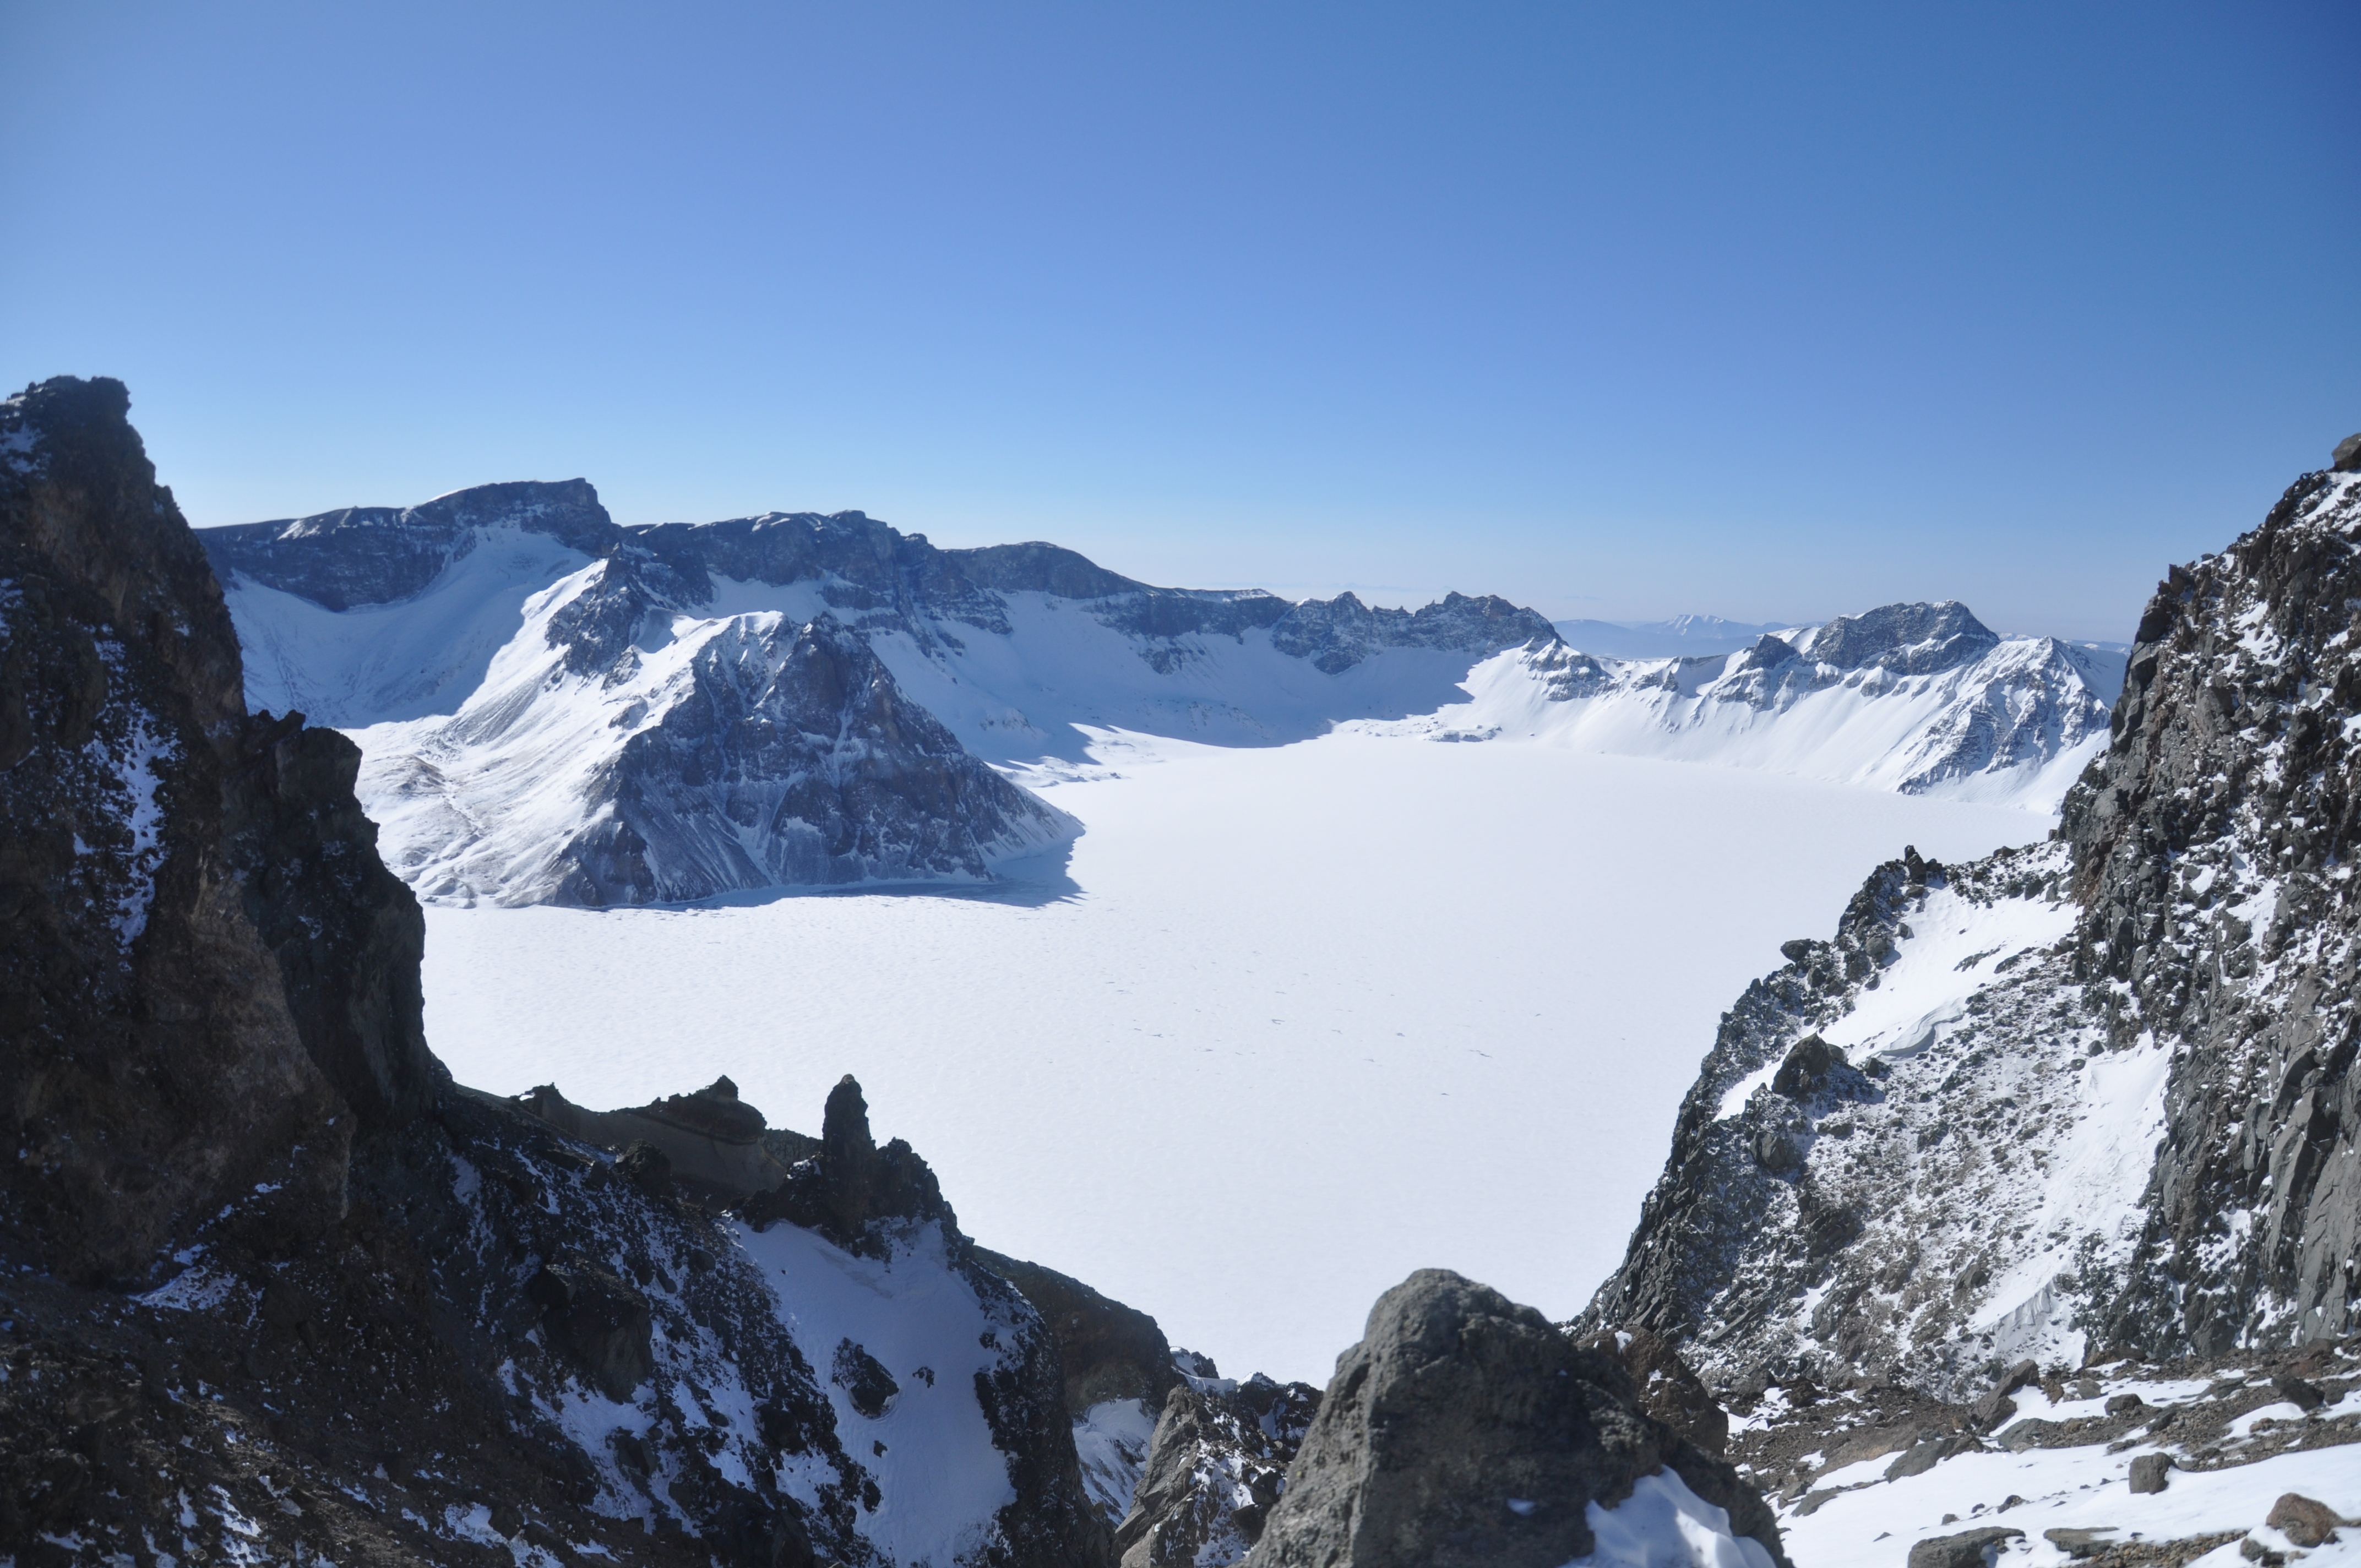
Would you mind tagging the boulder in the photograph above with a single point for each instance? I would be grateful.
(1968, 1549)
(2080, 1543)
(2346, 459)
(863, 1378)
(2296, 1391)
(2307, 1521)
(645, 1167)
(1465, 1430)
(2150, 1472)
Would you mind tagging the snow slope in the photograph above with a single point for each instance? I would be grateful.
(707, 754)
(2012, 721)
(1292, 1022)
(383, 662)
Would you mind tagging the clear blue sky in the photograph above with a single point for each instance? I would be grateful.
(1764, 310)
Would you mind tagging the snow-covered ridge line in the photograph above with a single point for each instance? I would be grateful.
(558, 708)
(1919, 698)
(2094, 1096)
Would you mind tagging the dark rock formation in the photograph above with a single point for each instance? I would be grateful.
(1109, 1351)
(714, 1145)
(799, 763)
(852, 1188)
(1906, 638)
(1336, 634)
(274, 1292)
(2202, 919)
(1968, 1549)
(2210, 846)
(156, 1074)
(1217, 1467)
(1466, 1430)
(1667, 1389)
(377, 554)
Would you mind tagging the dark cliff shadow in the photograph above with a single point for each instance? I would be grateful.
(1031, 882)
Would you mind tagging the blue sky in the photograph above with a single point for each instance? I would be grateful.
(1768, 311)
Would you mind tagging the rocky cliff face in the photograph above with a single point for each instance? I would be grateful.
(2091, 1095)
(276, 1291)
(365, 555)
(176, 1040)
(743, 753)
(2213, 845)
(1464, 1428)
(1336, 634)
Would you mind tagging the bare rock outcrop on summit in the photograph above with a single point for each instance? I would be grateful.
(1465, 1430)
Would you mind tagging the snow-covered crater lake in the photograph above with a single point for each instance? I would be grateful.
(1291, 1022)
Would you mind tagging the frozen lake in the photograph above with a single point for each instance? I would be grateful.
(1293, 1022)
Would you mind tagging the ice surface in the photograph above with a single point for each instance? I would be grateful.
(1294, 1021)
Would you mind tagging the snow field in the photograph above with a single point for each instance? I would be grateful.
(2071, 1489)
(930, 1450)
(1293, 1022)
(1663, 1524)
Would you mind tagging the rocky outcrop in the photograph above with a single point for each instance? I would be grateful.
(713, 1146)
(746, 753)
(1466, 1430)
(2089, 1096)
(276, 1292)
(1336, 634)
(365, 555)
(156, 1072)
(1214, 1469)
(1902, 638)
(2211, 845)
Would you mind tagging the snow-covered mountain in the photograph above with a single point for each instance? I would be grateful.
(609, 757)
(1917, 697)
(2096, 1093)
(555, 708)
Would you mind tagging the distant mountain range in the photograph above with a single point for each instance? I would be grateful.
(556, 709)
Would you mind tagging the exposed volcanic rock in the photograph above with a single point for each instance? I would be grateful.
(717, 1147)
(156, 1073)
(2092, 1095)
(363, 555)
(1109, 1351)
(1336, 634)
(2212, 847)
(275, 1291)
(1213, 1470)
(1905, 638)
(1466, 1430)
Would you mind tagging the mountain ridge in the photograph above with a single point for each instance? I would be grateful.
(1023, 652)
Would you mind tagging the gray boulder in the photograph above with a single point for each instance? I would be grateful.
(2347, 456)
(1466, 1430)
(1968, 1549)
